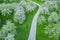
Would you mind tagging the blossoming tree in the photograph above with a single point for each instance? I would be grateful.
(49, 7)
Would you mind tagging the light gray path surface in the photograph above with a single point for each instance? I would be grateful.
(32, 35)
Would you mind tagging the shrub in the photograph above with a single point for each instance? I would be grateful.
(9, 27)
(41, 19)
(21, 9)
(53, 17)
(53, 30)
(19, 15)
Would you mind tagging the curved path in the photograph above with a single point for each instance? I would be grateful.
(32, 35)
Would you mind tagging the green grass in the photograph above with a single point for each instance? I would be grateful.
(38, 1)
(40, 35)
(24, 29)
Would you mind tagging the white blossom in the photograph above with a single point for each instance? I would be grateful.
(2, 34)
(19, 15)
(29, 6)
(41, 19)
(44, 10)
(53, 17)
(10, 37)
(51, 5)
(53, 30)
(5, 9)
(58, 2)
(9, 27)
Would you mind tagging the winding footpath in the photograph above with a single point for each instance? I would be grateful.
(32, 35)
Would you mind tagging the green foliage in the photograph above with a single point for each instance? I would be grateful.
(22, 29)
(49, 17)
(49, 29)
(9, 1)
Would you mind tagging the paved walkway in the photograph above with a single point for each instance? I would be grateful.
(32, 35)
